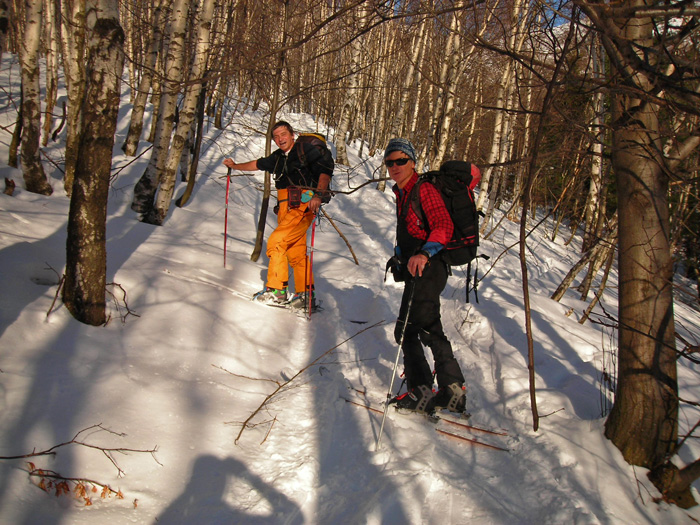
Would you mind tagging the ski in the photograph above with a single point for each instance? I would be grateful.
(457, 421)
(470, 440)
(444, 432)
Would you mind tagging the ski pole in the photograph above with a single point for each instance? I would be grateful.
(309, 297)
(228, 185)
(396, 364)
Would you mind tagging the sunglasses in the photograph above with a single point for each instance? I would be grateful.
(398, 162)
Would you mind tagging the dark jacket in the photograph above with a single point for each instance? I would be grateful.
(291, 170)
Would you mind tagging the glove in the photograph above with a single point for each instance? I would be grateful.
(397, 270)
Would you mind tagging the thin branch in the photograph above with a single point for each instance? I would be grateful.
(267, 399)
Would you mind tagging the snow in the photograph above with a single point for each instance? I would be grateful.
(192, 359)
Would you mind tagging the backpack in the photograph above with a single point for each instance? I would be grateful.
(319, 141)
(455, 181)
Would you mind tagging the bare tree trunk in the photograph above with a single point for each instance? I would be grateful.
(644, 418)
(192, 171)
(448, 89)
(86, 255)
(593, 252)
(187, 114)
(73, 51)
(133, 136)
(411, 80)
(51, 32)
(274, 107)
(35, 179)
(350, 105)
(16, 136)
(505, 90)
(146, 187)
(643, 422)
(4, 24)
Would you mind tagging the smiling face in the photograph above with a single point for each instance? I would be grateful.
(398, 173)
(283, 138)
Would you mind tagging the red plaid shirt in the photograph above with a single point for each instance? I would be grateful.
(439, 228)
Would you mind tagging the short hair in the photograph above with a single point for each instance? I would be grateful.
(283, 124)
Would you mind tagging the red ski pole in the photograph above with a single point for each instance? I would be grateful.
(228, 185)
(307, 286)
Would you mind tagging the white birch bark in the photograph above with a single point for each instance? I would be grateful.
(51, 72)
(505, 90)
(418, 85)
(35, 179)
(86, 257)
(448, 89)
(412, 77)
(350, 105)
(476, 113)
(596, 130)
(187, 113)
(146, 187)
(73, 51)
(136, 124)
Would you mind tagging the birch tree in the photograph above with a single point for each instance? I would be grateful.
(146, 187)
(506, 87)
(351, 94)
(35, 179)
(156, 40)
(86, 256)
(51, 72)
(187, 113)
(73, 51)
(444, 108)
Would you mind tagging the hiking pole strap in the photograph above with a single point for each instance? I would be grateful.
(396, 364)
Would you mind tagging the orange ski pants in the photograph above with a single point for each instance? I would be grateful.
(286, 246)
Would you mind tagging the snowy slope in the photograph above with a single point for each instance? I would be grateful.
(198, 359)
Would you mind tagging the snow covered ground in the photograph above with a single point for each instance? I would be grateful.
(198, 359)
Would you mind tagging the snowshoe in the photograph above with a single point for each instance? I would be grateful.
(416, 399)
(299, 302)
(271, 296)
(451, 397)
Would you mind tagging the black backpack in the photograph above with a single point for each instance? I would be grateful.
(456, 182)
(319, 141)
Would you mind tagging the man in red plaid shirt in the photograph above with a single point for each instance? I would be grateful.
(418, 264)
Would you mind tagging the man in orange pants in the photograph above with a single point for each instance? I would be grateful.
(302, 175)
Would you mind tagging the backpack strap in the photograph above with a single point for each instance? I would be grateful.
(414, 200)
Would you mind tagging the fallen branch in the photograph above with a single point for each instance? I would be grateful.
(121, 303)
(281, 386)
(50, 480)
(75, 441)
(341, 236)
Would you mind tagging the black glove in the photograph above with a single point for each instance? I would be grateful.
(397, 269)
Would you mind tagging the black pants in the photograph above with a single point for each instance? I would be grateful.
(424, 326)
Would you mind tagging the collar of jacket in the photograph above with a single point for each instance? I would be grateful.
(400, 192)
